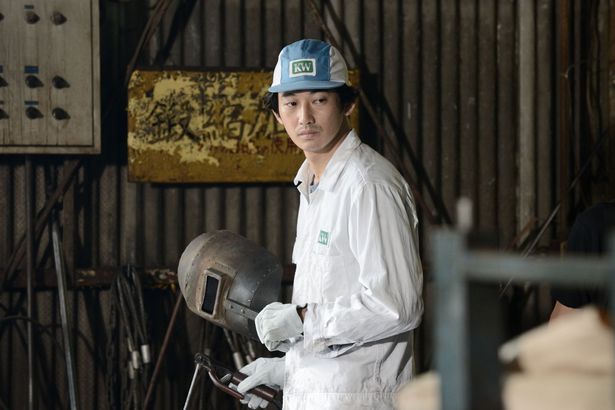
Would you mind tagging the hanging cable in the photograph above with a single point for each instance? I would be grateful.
(141, 319)
(231, 339)
(129, 364)
(128, 373)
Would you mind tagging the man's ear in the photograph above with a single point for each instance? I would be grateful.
(350, 108)
(277, 117)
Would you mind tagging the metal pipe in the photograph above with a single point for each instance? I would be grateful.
(526, 109)
(197, 370)
(29, 273)
(41, 221)
(163, 349)
(61, 275)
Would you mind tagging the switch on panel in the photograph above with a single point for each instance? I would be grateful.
(3, 82)
(59, 83)
(32, 17)
(33, 81)
(3, 114)
(58, 18)
(59, 114)
(33, 113)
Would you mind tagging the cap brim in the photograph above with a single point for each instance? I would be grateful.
(305, 85)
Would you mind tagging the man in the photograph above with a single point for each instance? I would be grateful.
(588, 236)
(357, 288)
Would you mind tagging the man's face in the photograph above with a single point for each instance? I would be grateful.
(314, 120)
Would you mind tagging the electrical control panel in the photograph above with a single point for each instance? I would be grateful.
(49, 77)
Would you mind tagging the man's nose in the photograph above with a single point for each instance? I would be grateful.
(305, 115)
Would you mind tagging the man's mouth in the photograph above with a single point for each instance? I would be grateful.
(307, 133)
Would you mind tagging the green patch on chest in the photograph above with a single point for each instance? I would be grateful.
(323, 238)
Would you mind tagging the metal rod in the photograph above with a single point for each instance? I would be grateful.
(95, 276)
(150, 28)
(526, 112)
(41, 221)
(61, 275)
(163, 349)
(197, 370)
(29, 273)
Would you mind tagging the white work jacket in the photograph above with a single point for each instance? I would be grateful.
(359, 273)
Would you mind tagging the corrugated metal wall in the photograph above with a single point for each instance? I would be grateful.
(449, 71)
(468, 81)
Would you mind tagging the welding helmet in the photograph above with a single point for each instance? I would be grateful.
(227, 279)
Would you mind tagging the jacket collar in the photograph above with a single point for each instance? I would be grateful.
(334, 167)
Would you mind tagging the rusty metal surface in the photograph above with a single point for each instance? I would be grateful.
(205, 127)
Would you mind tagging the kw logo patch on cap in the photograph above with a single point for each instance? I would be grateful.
(306, 66)
(323, 238)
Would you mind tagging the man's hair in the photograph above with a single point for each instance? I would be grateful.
(347, 94)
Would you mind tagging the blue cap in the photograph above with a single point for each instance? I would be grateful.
(309, 65)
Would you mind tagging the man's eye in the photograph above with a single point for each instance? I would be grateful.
(290, 103)
(320, 100)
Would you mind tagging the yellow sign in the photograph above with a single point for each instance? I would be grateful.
(186, 126)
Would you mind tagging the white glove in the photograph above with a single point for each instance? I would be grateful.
(276, 324)
(268, 371)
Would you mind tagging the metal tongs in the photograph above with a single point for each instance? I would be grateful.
(221, 376)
